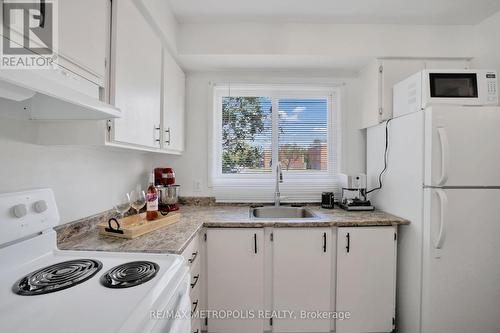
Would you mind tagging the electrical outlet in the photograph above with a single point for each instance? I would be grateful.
(197, 185)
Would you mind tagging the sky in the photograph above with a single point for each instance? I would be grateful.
(301, 121)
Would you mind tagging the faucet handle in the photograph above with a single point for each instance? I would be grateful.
(279, 172)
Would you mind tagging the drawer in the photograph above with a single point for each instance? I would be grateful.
(195, 308)
(195, 284)
(196, 325)
(192, 252)
(195, 268)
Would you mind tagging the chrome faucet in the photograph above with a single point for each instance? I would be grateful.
(279, 179)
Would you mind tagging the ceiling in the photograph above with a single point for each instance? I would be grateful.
(441, 12)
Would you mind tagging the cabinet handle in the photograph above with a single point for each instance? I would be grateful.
(157, 129)
(255, 242)
(196, 277)
(348, 246)
(195, 303)
(324, 242)
(168, 141)
(193, 257)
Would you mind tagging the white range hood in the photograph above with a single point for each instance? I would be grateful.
(49, 94)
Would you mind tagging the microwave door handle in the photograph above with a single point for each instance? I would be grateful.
(445, 155)
(443, 203)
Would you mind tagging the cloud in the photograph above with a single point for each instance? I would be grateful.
(319, 129)
(285, 116)
(299, 109)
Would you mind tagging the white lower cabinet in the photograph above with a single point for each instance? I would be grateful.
(366, 278)
(302, 278)
(193, 255)
(307, 271)
(235, 278)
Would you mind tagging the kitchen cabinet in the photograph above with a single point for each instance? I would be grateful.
(193, 255)
(380, 75)
(302, 277)
(84, 37)
(366, 278)
(143, 79)
(82, 44)
(235, 277)
(135, 77)
(174, 92)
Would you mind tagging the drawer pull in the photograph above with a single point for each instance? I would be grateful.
(195, 305)
(195, 278)
(255, 243)
(193, 257)
(324, 242)
(348, 246)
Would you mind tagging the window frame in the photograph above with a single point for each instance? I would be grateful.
(275, 93)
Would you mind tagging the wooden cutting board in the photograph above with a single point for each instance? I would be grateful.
(136, 225)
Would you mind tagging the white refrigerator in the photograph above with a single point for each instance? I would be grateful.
(443, 174)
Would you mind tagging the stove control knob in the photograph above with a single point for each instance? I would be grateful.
(20, 210)
(40, 206)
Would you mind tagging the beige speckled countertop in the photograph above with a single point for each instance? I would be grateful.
(83, 235)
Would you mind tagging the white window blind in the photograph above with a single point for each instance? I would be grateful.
(255, 126)
(303, 127)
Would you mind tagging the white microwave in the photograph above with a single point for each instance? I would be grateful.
(464, 87)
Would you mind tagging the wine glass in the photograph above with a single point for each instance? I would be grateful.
(123, 204)
(137, 199)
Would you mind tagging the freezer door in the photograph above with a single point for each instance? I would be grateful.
(461, 264)
(462, 146)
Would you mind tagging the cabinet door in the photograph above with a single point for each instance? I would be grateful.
(302, 277)
(366, 266)
(447, 64)
(84, 36)
(136, 77)
(235, 278)
(174, 86)
(393, 71)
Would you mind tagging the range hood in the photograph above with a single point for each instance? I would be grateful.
(48, 95)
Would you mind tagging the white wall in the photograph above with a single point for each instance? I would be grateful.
(159, 14)
(193, 165)
(247, 45)
(85, 180)
(487, 46)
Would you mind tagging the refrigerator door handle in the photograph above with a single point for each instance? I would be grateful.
(443, 203)
(445, 155)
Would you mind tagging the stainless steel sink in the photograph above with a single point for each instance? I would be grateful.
(281, 213)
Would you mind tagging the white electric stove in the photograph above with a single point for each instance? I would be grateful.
(44, 289)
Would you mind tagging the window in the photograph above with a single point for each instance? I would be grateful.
(255, 126)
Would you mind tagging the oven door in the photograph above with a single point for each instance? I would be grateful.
(179, 310)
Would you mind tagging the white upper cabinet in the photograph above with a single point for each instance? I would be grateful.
(235, 277)
(174, 94)
(380, 75)
(302, 277)
(84, 37)
(366, 279)
(135, 77)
